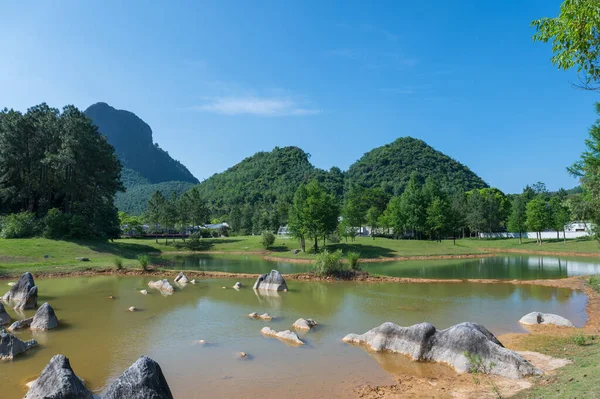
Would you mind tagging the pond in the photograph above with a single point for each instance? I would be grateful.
(521, 267)
(102, 338)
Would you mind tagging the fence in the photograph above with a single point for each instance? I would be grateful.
(546, 235)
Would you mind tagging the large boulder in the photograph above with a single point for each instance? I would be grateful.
(23, 294)
(535, 318)
(181, 278)
(456, 346)
(163, 285)
(271, 282)
(143, 380)
(286, 335)
(44, 318)
(11, 346)
(5, 318)
(58, 381)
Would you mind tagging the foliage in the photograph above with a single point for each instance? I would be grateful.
(50, 159)
(477, 366)
(594, 282)
(538, 216)
(575, 38)
(579, 339)
(353, 259)
(389, 167)
(517, 220)
(135, 199)
(132, 139)
(328, 263)
(144, 261)
(56, 224)
(203, 233)
(268, 239)
(118, 262)
(19, 225)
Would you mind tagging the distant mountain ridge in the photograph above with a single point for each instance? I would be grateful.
(132, 139)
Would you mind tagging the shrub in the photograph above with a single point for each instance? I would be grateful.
(594, 282)
(268, 239)
(56, 224)
(144, 261)
(579, 339)
(118, 261)
(19, 225)
(328, 263)
(204, 233)
(353, 260)
(334, 238)
(224, 231)
(214, 234)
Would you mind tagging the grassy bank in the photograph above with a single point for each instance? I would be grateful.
(42, 254)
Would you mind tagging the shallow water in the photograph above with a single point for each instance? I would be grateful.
(102, 338)
(526, 267)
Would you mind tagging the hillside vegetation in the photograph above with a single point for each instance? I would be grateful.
(389, 167)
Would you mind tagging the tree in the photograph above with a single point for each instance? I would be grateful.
(373, 218)
(155, 212)
(575, 37)
(538, 217)
(437, 217)
(457, 218)
(298, 218)
(476, 214)
(560, 216)
(518, 218)
(411, 205)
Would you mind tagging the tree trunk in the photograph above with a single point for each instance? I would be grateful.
(520, 237)
(557, 235)
(316, 244)
(303, 244)
(564, 236)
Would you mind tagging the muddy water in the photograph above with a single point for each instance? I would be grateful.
(527, 267)
(102, 338)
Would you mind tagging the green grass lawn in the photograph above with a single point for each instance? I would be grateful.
(35, 254)
(577, 380)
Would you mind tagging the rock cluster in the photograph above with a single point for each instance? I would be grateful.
(271, 282)
(58, 381)
(534, 318)
(23, 294)
(304, 324)
(454, 346)
(264, 316)
(162, 285)
(11, 346)
(286, 335)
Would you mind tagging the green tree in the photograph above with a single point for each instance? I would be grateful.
(537, 217)
(437, 217)
(373, 219)
(411, 205)
(517, 220)
(155, 212)
(476, 212)
(575, 37)
(457, 218)
(560, 216)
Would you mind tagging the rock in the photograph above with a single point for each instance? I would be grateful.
(82, 259)
(237, 285)
(534, 318)
(162, 285)
(20, 324)
(44, 318)
(304, 324)
(12, 284)
(242, 355)
(143, 380)
(111, 297)
(58, 381)
(286, 335)
(144, 292)
(132, 309)
(224, 288)
(11, 346)
(5, 318)
(423, 342)
(296, 251)
(181, 278)
(265, 316)
(199, 342)
(253, 315)
(23, 294)
(193, 281)
(271, 282)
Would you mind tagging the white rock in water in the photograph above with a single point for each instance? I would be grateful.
(237, 286)
(534, 318)
(271, 282)
(181, 278)
(144, 292)
(162, 285)
(193, 281)
(132, 309)
(423, 342)
(286, 335)
(265, 316)
(11, 284)
(304, 324)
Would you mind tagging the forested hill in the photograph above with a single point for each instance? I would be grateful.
(390, 166)
(265, 178)
(132, 139)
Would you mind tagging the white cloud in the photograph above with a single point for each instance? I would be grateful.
(253, 105)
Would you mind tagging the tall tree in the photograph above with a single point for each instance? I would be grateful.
(559, 216)
(411, 205)
(518, 218)
(155, 211)
(437, 217)
(575, 37)
(538, 217)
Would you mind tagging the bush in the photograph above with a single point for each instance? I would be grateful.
(56, 224)
(204, 233)
(594, 282)
(268, 239)
(328, 263)
(353, 260)
(144, 261)
(579, 339)
(224, 231)
(19, 225)
(334, 238)
(214, 234)
(118, 261)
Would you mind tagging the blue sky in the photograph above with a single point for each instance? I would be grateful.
(218, 81)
